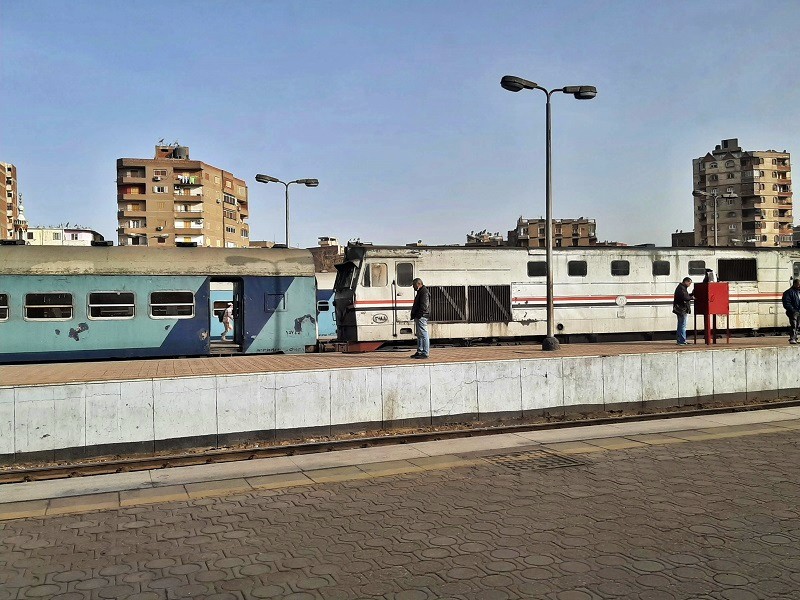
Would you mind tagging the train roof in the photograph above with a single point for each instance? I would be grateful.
(410, 251)
(132, 260)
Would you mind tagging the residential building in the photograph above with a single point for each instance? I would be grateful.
(484, 238)
(62, 236)
(327, 253)
(683, 239)
(796, 237)
(759, 209)
(13, 224)
(566, 232)
(170, 198)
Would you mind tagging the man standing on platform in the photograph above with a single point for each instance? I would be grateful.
(791, 303)
(682, 307)
(420, 313)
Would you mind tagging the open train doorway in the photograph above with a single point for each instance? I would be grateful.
(226, 294)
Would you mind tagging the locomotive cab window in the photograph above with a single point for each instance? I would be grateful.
(3, 307)
(620, 268)
(537, 268)
(376, 275)
(344, 276)
(172, 305)
(111, 305)
(405, 274)
(697, 267)
(660, 267)
(48, 307)
(737, 269)
(577, 268)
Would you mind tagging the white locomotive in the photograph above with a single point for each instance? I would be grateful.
(500, 293)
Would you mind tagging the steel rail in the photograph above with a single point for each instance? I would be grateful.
(145, 463)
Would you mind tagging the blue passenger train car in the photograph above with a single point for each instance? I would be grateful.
(68, 303)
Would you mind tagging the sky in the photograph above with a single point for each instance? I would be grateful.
(396, 107)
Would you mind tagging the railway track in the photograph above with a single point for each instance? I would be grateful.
(163, 461)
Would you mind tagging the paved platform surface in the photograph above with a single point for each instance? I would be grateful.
(708, 508)
(55, 373)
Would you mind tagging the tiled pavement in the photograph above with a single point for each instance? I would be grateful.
(696, 513)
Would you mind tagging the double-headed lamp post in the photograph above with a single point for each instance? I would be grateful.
(580, 92)
(716, 197)
(306, 182)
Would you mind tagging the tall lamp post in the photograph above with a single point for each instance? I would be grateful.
(306, 182)
(716, 197)
(580, 92)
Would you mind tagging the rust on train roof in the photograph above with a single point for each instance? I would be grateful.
(131, 260)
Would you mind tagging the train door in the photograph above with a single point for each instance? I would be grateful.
(225, 293)
(403, 297)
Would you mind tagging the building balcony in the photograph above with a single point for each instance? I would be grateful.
(126, 179)
(181, 213)
(189, 230)
(131, 213)
(121, 197)
(188, 180)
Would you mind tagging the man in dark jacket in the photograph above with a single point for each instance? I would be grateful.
(682, 307)
(791, 303)
(420, 313)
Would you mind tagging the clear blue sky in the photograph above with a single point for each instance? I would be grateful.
(396, 107)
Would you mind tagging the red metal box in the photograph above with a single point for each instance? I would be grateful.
(711, 298)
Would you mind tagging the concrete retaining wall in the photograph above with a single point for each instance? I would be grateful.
(81, 419)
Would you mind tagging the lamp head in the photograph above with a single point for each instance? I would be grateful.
(309, 182)
(266, 179)
(700, 194)
(516, 84)
(581, 92)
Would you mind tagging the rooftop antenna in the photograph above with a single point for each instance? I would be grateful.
(161, 142)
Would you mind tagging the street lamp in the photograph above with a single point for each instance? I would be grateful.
(306, 182)
(716, 197)
(580, 92)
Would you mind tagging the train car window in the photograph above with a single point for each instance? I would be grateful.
(111, 305)
(3, 307)
(537, 268)
(737, 269)
(796, 270)
(274, 302)
(48, 307)
(620, 268)
(405, 274)
(697, 267)
(660, 267)
(577, 268)
(172, 305)
(376, 275)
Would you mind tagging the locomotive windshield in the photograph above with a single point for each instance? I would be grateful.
(345, 274)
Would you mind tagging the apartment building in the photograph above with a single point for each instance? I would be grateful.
(63, 235)
(530, 233)
(13, 224)
(170, 198)
(742, 198)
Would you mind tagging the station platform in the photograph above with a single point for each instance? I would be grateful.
(698, 507)
(137, 369)
(64, 412)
